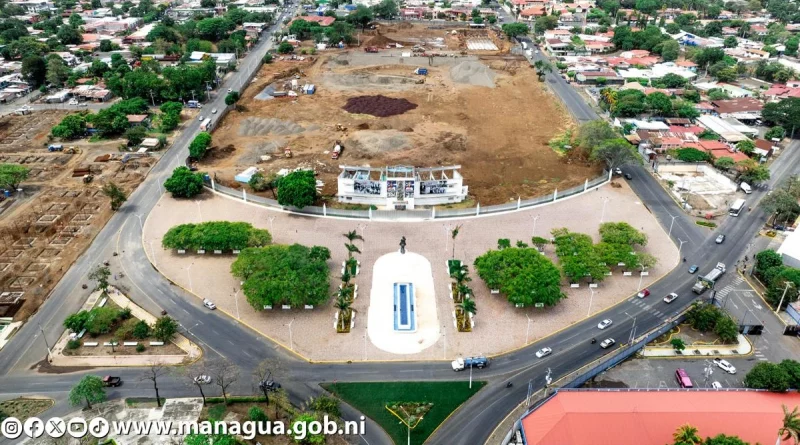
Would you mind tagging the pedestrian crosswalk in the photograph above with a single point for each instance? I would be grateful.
(737, 280)
(644, 305)
(760, 355)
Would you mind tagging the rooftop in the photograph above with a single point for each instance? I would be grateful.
(652, 416)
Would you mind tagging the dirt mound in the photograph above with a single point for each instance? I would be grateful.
(220, 152)
(473, 73)
(375, 142)
(452, 141)
(253, 126)
(379, 106)
(380, 41)
(364, 126)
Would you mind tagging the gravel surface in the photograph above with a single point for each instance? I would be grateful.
(473, 73)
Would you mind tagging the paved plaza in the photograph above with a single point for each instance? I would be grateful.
(499, 326)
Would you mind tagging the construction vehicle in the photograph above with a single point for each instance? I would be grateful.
(421, 71)
(88, 179)
(72, 151)
(371, 49)
(287, 153)
(337, 150)
(340, 127)
(709, 280)
(55, 147)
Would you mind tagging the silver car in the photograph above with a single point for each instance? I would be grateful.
(544, 352)
(604, 324)
(607, 343)
(725, 366)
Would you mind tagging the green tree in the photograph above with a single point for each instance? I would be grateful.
(75, 20)
(232, 98)
(781, 203)
(767, 259)
(12, 175)
(524, 275)
(785, 113)
(790, 428)
(285, 48)
(100, 275)
(724, 163)
(686, 435)
(184, 183)
(76, 322)
(210, 439)
(135, 135)
(792, 368)
(141, 330)
(199, 145)
(670, 49)
(214, 29)
(726, 329)
(515, 29)
(89, 389)
(297, 189)
(791, 46)
(362, 16)
(386, 9)
(171, 107)
(752, 172)
(692, 155)
(467, 306)
(34, 70)
(722, 439)
(57, 71)
(660, 103)
(165, 328)
(69, 35)
(306, 419)
(677, 344)
(101, 320)
(268, 58)
(775, 133)
(730, 42)
(256, 414)
(116, 194)
(746, 146)
(593, 133)
(765, 375)
(615, 153)
(274, 275)
(629, 103)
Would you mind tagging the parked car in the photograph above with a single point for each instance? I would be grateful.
(643, 293)
(82, 104)
(725, 366)
(112, 381)
(693, 268)
(209, 304)
(200, 118)
(618, 171)
(607, 343)
(720, 239)
(202, 379)
(670, 298)
(230, 90)
(544, 352)
(628, 176)
(604, 324)
(716, 385)
(73, 102)
(269, 385)
(214, 111)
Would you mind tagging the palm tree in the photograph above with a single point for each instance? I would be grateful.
(686, 435)
(461, 275)
(350, 265)
(467, 307)
(791, 426)
(454, 234)
(351, 249)
(464, 291)
(346, 278)
(344, 306)
(352, 236)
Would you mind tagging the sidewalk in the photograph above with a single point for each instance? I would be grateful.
(57, 358)
(744, 348)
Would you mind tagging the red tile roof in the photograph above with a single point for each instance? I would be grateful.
(714, 145)
(323, 21)
(737, 105)
(651, 417)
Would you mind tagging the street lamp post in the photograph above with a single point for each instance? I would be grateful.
(528, 330)
(535, 218)
(291, 340)
(778, 309)
(670, 225)
(271, 227)
(470, 375)
(633, 328)
(680, 246)
(603, 214)
(365, 343)
(236, 299)
(446, 236)
(47, 345)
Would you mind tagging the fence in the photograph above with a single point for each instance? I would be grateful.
(413, 215)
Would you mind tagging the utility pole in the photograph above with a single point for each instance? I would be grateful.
(778, 309)
(46, 344)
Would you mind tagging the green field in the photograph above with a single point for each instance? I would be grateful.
(371, 399)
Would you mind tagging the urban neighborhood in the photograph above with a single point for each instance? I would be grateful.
(501, 222)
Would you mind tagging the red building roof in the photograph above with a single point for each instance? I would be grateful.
(650, 417)
(323, 21)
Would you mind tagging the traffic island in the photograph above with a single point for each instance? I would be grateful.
(131, 337)
(408, 411)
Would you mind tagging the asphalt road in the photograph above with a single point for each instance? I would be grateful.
(222, 336)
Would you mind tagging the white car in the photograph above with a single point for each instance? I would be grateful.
(73, 102)
(202, 379)
(209, 304)
(604, 324)
(82, 104)
(544, 352)
(200, 118)
(607, 343)
(214, 111)
(725, 366)
(670, 298)
(716, 385)
(230, 90)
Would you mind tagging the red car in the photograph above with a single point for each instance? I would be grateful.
(643, 293)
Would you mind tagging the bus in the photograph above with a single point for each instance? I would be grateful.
(736, 208)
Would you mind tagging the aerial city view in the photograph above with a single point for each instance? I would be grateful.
(377, 222)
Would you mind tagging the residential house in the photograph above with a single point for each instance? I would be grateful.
(779, 91)
(68, 58)
(94, 93)
(591, 77)
(765, 148)
(733, 107)
(719, 149)
(727, 132)
(530, 14)
(138, 120)
(323, 21)
(34, 5)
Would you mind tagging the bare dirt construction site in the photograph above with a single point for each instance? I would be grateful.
(47, 225)
(482, 109)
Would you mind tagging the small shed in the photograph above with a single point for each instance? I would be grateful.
(244, 177)
(150, 144)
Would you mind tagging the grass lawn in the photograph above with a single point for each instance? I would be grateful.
(23, 408)
(371, 399)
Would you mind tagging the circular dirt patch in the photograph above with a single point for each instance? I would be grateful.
(379, 106)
